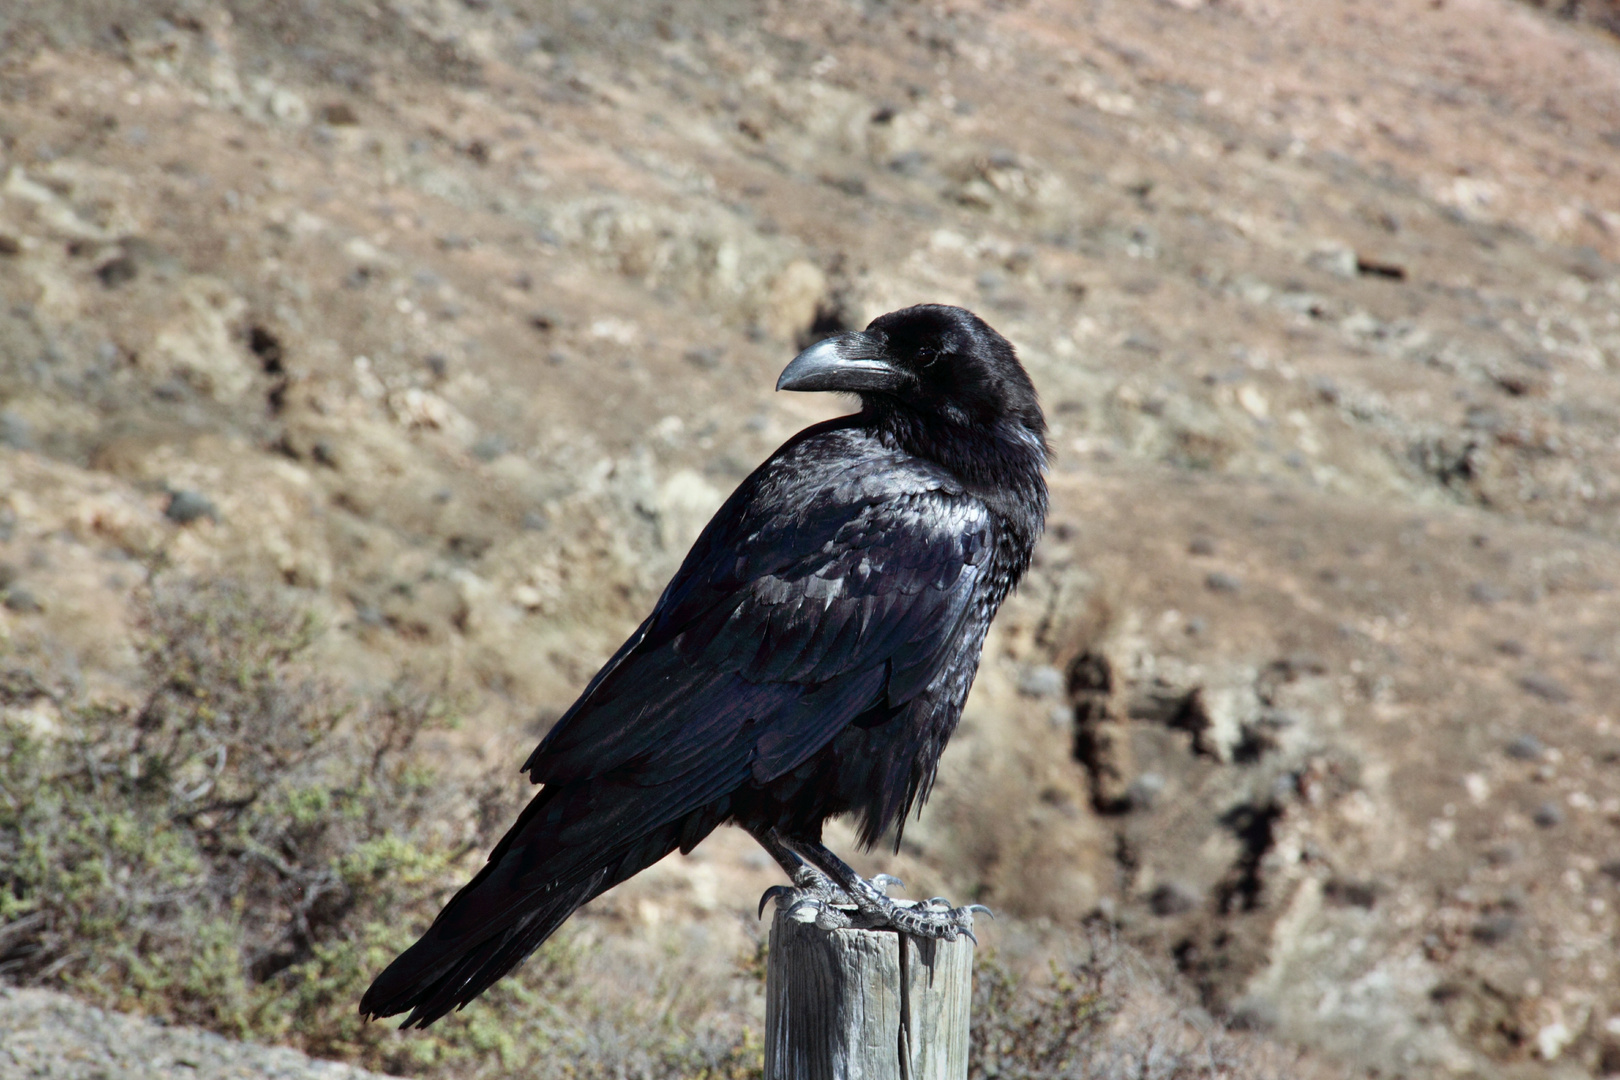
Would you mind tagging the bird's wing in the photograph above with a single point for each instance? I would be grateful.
(787, 621)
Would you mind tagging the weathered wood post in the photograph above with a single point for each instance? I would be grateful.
(865, 1004)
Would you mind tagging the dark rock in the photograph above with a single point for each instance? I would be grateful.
(1349, 893)
(115, 272)
(1525, 748)
(1496, 928)
(1544, 687)
(1483, 592)
(1172, 898)
(187, 506)
(1201, 545)
(9, 246)
(535, 520)
(1221, 581)
(21, 601)
(339, 114)
(1548, 815)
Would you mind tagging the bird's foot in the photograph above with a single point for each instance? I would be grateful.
(870, 908)
(812, 887)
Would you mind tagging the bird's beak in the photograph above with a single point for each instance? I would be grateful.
(853, 361)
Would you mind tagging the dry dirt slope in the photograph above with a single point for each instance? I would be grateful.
(458, 318)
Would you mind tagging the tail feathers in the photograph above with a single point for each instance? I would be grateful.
(531, 885)
(437, 975)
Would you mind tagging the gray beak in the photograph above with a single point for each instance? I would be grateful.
(853, 361)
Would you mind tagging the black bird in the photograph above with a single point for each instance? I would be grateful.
(809, 659)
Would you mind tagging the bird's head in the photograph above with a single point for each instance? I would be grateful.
(931, 359)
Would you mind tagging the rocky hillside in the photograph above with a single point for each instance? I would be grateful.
(457, 319)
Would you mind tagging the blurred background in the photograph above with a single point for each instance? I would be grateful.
(367, 367)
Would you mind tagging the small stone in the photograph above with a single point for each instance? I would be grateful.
(1201, 545)
(437, 365)
(1221, 581)
(1505, 854)
(22, 601)
(1350, 893)
(1043, 681)
(1525, 748)
(1496, 928)
(115, 272)
(10, 246)
(1544, 687)
(1548, 815)
(339, 114)
(1483, 592)
(187, 506)
(535, 520)
(1172, 898)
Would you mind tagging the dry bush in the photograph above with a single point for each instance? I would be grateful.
(1104, 1018)
(246, 846)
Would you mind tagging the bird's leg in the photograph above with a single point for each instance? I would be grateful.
(809, 884)
(934, 918)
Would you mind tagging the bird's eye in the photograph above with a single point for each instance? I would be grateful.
(927, 356)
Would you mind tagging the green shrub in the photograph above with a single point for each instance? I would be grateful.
(245, 846)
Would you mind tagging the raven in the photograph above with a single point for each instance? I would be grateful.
(809, 659)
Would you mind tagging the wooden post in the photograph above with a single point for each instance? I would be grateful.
(865, 1005)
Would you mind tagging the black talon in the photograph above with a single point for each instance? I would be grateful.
(772, 893)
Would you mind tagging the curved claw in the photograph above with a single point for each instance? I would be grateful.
(937, 901)
(969, 932)
(885, 882)
(979, 907)
(775, 892)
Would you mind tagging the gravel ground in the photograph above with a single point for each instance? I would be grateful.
(44, 1034)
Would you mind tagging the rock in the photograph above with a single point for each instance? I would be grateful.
(1223, 582)
(1172, 898)
(1495, 928)
(115, 272)
(1544, 687)
(1525, 748)
(20, 600)
(1548, 815)
(1201, 545)
(51, 1036)
(187, 506)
